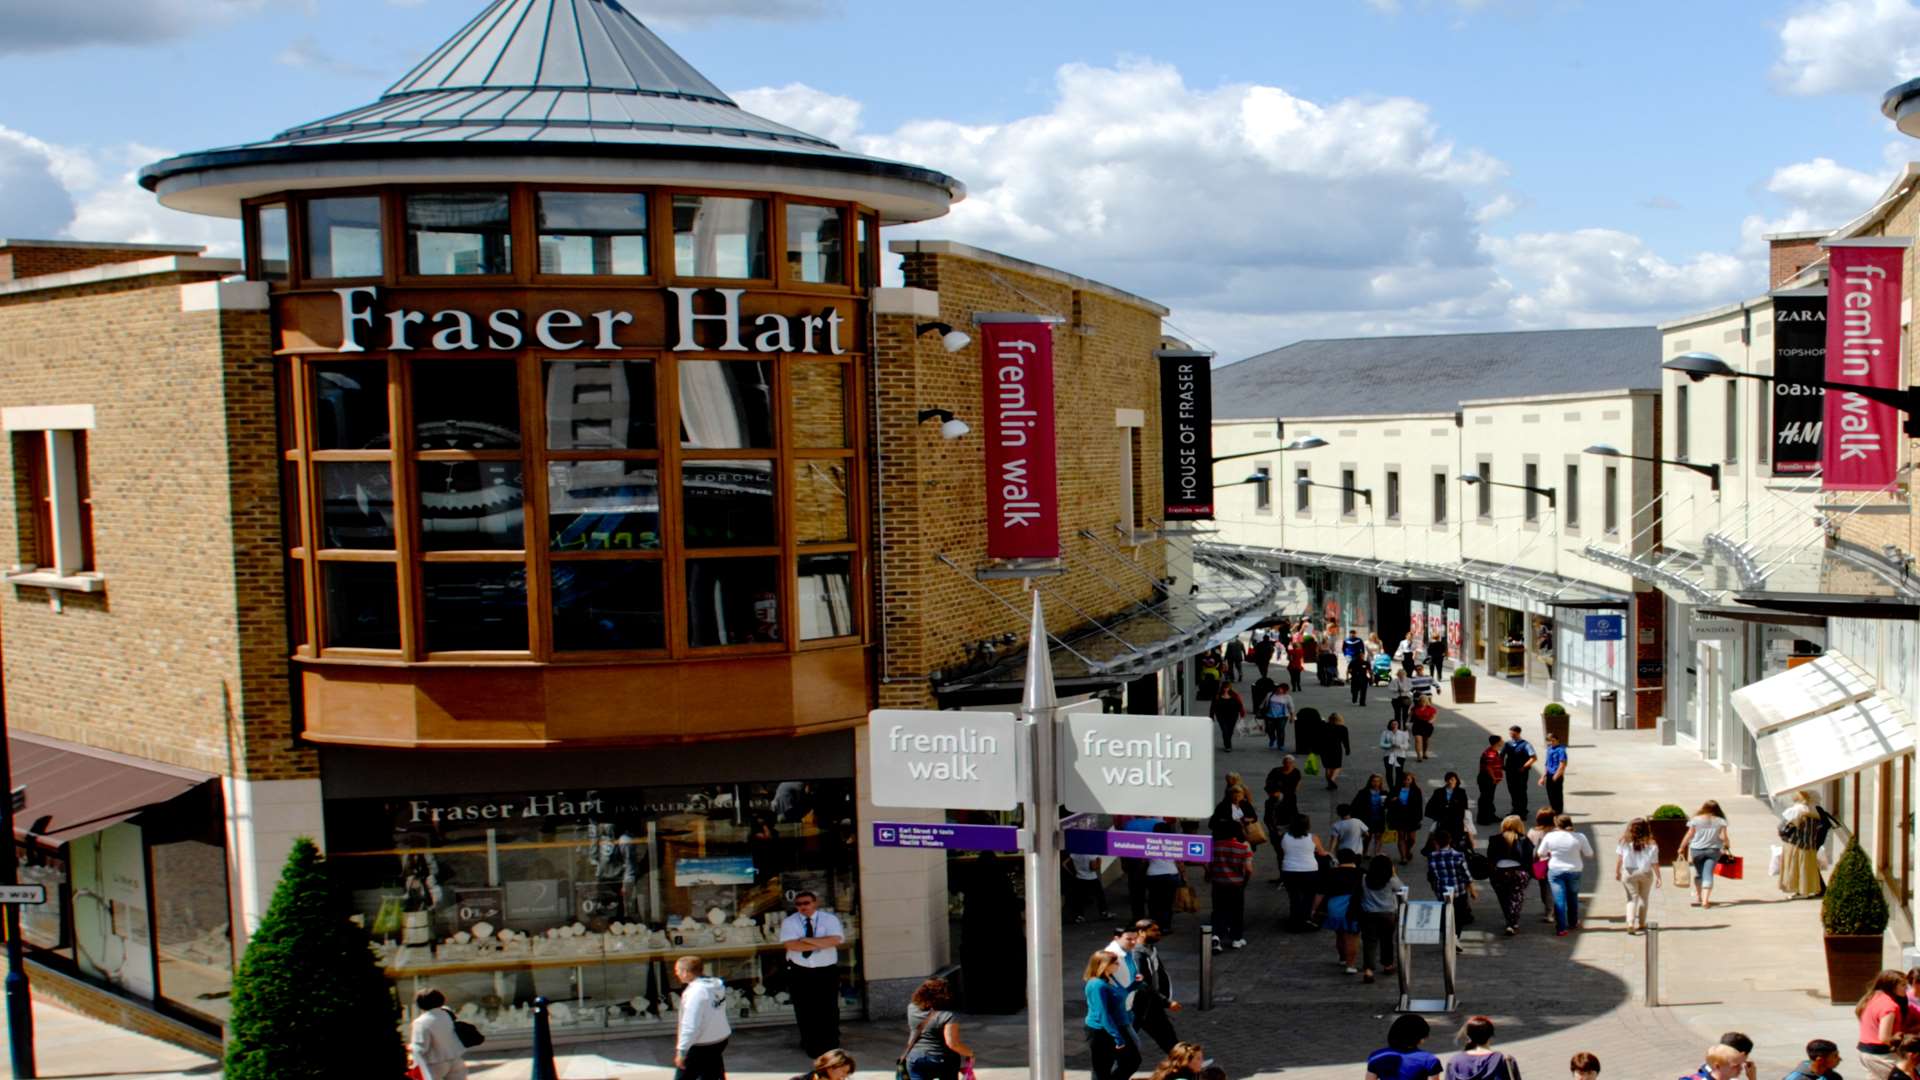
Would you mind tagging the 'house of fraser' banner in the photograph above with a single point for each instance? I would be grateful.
(1186, 435)
(1016, 381)
(1799, 361)
(1859, 450)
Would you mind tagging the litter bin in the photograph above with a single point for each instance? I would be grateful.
(1606, 710)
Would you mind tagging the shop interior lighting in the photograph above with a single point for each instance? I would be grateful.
(950, 428)
(953, 340)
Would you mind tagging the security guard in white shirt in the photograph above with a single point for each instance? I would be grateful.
(813, 938)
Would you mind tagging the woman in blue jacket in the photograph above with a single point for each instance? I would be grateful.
(1110, 1037)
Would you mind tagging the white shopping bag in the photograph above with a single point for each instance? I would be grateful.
(1775, 855)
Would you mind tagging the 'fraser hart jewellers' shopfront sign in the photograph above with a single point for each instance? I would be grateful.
(1860, 438)
(1186, 435)
(1023, 512)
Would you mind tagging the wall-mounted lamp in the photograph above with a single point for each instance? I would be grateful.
(950, 428)
(1475, 478)
(952, 339)
(1711, 472)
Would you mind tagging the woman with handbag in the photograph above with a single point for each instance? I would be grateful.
(1542, 825)
(1395, 746)
(1334, 749)
(1406, 810)
(1447, 809)
(1803, 828)
(1706, 842)
(1636, 866)
(1480, 1061)
(935, 1050)
(1283, 799)
(1110, 1037)
(1512, 856)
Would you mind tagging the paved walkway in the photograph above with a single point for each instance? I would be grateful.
(1284, 1007)
(67, 1044)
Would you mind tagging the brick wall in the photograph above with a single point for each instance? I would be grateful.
(22, 259)
(182, 658)
(931, 497)
(1786, 258)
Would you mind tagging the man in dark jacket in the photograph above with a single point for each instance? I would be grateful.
(1236, 655)
(1263, 653)
(1153, 1002)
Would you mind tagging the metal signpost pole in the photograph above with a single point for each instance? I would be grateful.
(19, 998)
(1046, 1007)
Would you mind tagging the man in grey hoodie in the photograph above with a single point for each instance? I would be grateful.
(704, 1030)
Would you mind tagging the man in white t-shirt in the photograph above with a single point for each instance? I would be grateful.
(1566, 853)
(1349, 833)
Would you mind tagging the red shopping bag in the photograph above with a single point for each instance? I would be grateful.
(1731, 866)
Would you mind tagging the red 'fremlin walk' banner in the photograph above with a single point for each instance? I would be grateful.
(1860, 451)
(1016, 379)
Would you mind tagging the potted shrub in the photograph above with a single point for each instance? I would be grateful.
(1463, 685)
(1554, 719)
(1854, 915)
(1669, 824)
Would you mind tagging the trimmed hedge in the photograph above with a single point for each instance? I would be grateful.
(1854, 903)
(1667, 812)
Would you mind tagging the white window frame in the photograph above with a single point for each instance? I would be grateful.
(57, 424)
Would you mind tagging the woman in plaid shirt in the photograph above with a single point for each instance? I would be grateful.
(1232, 865)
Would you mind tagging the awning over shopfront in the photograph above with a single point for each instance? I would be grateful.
(75, 791)
(1820, 721)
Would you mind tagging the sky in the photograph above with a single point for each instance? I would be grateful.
(1270, 171)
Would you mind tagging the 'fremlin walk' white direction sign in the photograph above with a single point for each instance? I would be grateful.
(1126, 764)
(943, 760)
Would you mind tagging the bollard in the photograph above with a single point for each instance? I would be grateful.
(1653, 964)
(543, 1043)
(1206, 967)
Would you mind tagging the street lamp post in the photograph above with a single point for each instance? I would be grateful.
(1711, 472)
(1476, 478)
(1704, 365)
(1311, 442)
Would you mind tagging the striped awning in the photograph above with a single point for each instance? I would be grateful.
(1820, 721)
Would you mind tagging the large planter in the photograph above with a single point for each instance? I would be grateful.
(1852, 962)
(1463, 689)
(1559, 726)
(1667, 836)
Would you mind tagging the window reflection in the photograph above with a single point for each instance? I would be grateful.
(356, 504)
(602, 604)
(732, 601)
(275, 250)
(600, 405)
(603, 506)
(343, 237)
(719, 237)
(726, 404)
(470, 505)
(350, 406)
(820, 501)
(816, 253)
(466, 405)
(826, 596)
(459, 233)
(593, 232)
(362, 605)
(863, 252)
(728, 503)
(819, 405)
(192, 936)
(475, 606)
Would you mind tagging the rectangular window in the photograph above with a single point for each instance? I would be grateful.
(1610, 511)
(826, 596)
(600, 405)
(820, 506)
(733, 601)
(1530, 476)
(818, 392)
(50, 475)
(728, 502)
(362, 603)
(816, 248)
(608, 604)
(1570, 498)
(717, 237)
(1483, 490)
(471, 506)
(1439, 498)
(1763, 428)
(726, 404)
(190, 923)
(343, 237)
(466, 405)
(1302, 491)
(467, 232)
(475, 606)
(593, 232)
(1346, 493)
(356, 504)
(1733, 421)
(1263, 489)
(1393, 495)
(272, 242)
(865, 228)
(603, 506)
(350, 405)
(1680, 415)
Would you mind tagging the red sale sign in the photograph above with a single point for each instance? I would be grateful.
(1861, 446)
(1023, 504)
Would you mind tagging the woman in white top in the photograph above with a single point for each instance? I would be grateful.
(1636, 868)
(1566, 853)
(436, 1048)
(1395, 745)
(1705, 842)
(1300, 853)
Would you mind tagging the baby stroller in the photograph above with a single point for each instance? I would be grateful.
(1382, 669)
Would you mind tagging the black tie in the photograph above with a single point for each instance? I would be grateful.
(804, 953)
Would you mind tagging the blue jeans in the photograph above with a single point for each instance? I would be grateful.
(1705, 861)
(1566, 899)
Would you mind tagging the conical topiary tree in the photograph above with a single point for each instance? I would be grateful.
(1854, 903)
(308, 1000)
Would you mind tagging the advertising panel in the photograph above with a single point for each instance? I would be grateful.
(1859, 438)
(1023, 512)
(1799, 355)
(1186, 435)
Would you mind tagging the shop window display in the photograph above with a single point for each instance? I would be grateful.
(586, 896)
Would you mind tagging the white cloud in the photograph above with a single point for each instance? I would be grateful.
(33, 200)
(798, 105)
(307, 53)
(687, 13)
(1819, 194)
(1848, 46)
(1605, 277)
(49, 191)
(50, 25)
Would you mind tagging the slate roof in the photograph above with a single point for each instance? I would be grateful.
(1432, 372)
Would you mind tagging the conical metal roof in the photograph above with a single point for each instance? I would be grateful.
(551, 91)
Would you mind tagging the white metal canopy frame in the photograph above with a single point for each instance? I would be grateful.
(1821, 721)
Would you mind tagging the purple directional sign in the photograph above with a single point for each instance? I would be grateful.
(919, 834)
(1180, 847)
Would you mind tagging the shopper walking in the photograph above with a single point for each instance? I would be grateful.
(1296, 664)
(1334, 748)
(1263, 653)
(1283, 805)
(1823, 1057)
(1307, 727)
(1405, 812)
(1395, 747)
(1110, 1035)
(1566, 853)
(812, 937)
(1402, 1058)
(1480, 1061)
(1400, 690)
(1511, 855)
(1636, 866)
(1359, 677)
(438, 1053)
(1370, 806)
(1153, 1001)
(1278, 711)
(1447, 809)
(1236, 656)
(1406, 653)
(1163, 883)
(1300, 854)
(1488, 780)
(1232, 865)
(1421, 719)
(1554, 778)
(699, 1051)
(1516, 762)
(1379, 912)
(1705, 841)
(1450, 877)
(1803, 832)
(1542, 825)
(935, 1049)
(1084, 877)
(1437, 660)
(1226, 710)
(1882, 1012)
